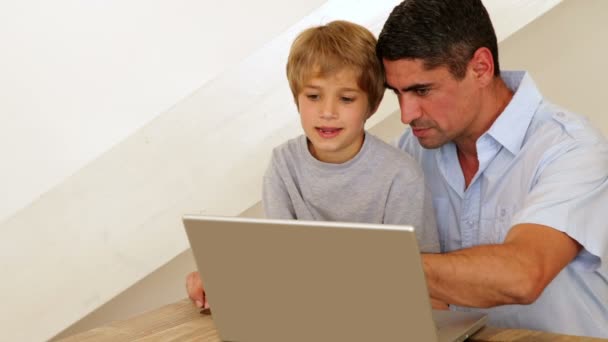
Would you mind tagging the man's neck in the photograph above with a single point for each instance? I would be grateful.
(495, 99)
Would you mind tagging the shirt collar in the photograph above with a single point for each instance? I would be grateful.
(510, 127)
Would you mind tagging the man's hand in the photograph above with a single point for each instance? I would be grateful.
(194, 287)
(439, 305)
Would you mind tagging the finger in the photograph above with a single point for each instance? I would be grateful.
(206, 304)
(194, 288)
(439, 305)
(189, 283)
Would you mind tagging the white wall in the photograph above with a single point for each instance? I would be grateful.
(80, 76)
(116, 219)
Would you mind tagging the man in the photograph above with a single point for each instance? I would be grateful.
(520, 186)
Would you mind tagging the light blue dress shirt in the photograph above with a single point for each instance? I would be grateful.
(537, 164)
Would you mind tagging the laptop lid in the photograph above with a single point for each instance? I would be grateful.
(278, 280)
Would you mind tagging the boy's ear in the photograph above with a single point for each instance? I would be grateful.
(375, 109)
(372, 111)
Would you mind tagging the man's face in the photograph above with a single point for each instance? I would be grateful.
(438, 107)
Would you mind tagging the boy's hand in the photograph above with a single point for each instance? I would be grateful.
(194, 287)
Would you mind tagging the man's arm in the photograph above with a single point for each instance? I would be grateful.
(515, 272)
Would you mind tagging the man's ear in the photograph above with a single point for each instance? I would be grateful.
(481, 65)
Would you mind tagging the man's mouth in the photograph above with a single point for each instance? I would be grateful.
(420, 131)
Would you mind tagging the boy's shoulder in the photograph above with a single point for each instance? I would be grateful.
(385, 150)
(290, 148)
(389, 161)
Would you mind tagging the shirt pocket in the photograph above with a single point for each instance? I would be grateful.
(495, 223)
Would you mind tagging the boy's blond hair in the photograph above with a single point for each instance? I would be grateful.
(324, 50)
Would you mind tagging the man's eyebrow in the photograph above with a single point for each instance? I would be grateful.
(413, 87)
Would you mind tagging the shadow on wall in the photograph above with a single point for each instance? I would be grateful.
(167, 282)
(566, 61)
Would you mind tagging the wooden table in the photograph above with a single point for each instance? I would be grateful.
(182, 321)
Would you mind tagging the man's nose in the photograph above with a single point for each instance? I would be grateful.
(410, 109)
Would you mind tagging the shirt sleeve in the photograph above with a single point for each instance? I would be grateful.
(570, 194)
(275, 198)
(409, 203)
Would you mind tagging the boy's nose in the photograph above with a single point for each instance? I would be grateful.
(328, 110)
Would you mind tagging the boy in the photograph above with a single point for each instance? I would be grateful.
(336, 171)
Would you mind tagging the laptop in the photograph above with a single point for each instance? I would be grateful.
(287, 280)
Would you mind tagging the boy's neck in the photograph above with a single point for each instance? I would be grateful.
(339, 157)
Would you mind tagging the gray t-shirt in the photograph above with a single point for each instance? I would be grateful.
(381, 184)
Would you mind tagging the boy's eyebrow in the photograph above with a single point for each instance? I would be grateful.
(350, 89)
(341, 89)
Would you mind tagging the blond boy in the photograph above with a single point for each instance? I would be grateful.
(337, 171)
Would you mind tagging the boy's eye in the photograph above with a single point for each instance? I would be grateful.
(312, 97)
(347, 99)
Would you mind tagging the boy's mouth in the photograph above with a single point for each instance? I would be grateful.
(328, 132)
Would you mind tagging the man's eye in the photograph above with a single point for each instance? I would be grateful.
(422, 91)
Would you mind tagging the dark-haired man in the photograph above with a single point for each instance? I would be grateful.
(520, 186)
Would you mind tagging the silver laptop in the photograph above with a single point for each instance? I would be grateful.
(278, 280)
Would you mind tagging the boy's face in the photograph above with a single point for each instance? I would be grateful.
(333, 111)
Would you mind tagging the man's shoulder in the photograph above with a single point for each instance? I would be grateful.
(560, 137)
(559, 125)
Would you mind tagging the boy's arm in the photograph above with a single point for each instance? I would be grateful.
(409, 203)
(275, 198)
